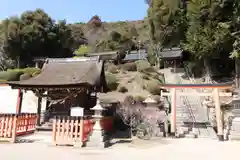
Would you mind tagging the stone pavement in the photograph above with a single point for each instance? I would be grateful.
(171, 149)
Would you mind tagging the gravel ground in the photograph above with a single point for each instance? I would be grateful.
(171, 149)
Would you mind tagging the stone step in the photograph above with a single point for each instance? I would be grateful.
(236, 120)
(234, 137)
(235, 129)
(182, 116)
(190, 135)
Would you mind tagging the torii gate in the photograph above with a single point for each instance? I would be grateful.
(215, 94)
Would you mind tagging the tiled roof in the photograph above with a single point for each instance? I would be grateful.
(171, 53)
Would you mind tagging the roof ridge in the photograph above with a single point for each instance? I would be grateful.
(80, 59)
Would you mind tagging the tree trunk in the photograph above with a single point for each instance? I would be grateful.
(207, 70)
(237, 72)
(18, 62)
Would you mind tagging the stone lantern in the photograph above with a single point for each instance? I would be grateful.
(97, 139)
(98, 109)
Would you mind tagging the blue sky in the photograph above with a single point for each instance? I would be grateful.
(78, 10)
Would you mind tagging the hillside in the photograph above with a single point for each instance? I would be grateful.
(137, 79)
(107, 36)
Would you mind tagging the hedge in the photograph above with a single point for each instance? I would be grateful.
(14, 74)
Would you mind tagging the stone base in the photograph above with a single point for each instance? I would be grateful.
(191, 135)
(234, 137)
(173, 134)
(220, 137)
(98, 140)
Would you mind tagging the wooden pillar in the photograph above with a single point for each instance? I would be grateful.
(18, 111)
(173, 110)
(218, 115)
(39, 106)
(237, 72)
(19, 102)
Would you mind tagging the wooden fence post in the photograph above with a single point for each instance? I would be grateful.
(14, 129)
(81, 129)
(54, 132)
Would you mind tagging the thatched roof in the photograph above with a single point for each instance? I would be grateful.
(66, 72)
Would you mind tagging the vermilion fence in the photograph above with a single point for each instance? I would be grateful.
(75, 131)
(12, 125)
(71, 130)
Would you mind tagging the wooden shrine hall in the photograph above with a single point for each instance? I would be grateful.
(65, 83)
(171, 57)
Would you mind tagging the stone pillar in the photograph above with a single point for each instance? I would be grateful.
(206, 107)
(43, 110)
(98, 139)
(36, 64)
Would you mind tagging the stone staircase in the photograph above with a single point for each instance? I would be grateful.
(234, 133)
(198, 120)
(192, 118)
(235, 129)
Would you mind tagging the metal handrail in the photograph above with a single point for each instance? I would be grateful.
(192, 80)
(188, 106)
(187, 101)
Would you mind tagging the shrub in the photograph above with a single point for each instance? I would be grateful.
(2, 81)
(146, 77)
(122, 89)
(150, 69)
(112, 82)
(153, 87)
(81, 51)
(129, 99)
(14, 74)
(36, 73)
(144, 66)
(160, 78)
(29, 70)
(139, 98)
(129, 66)
(157, 98)
(10, 75)
(113, 69)
(25, 76)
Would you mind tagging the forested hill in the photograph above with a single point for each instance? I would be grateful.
(107, 36)
(206, 29)
(35, 34)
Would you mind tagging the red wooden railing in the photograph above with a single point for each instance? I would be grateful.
(12, 125)
(68, 131)
(26, 124)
